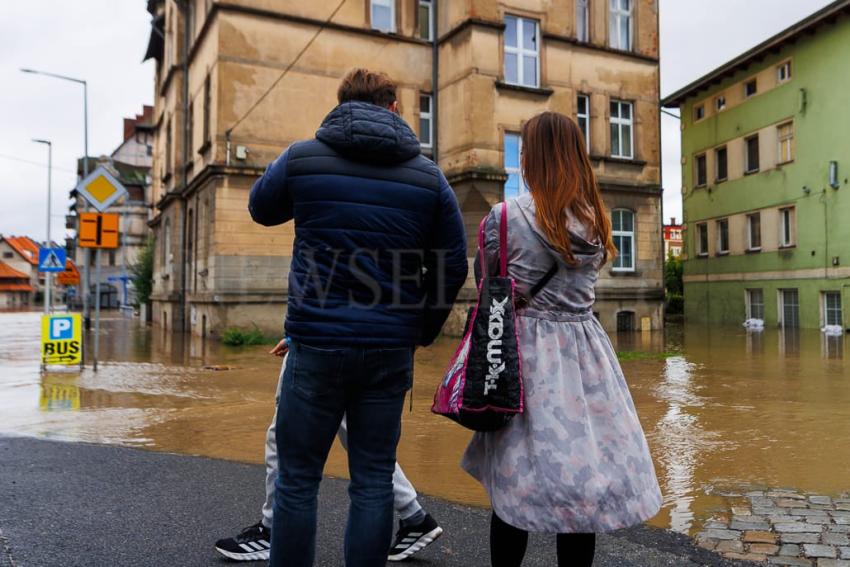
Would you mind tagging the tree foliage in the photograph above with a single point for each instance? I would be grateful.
(142, 272)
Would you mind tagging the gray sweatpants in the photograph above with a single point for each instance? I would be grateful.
(406, 503)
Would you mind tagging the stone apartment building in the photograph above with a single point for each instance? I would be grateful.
(222, 113)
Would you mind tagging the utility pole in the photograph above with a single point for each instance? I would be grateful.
(86, 257)
(48, 277)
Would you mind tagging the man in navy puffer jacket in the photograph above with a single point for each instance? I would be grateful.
(378, 260)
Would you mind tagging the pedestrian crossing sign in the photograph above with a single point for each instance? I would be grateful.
(51, 260)
(61, 339)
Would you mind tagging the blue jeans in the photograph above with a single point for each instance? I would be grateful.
(368, 385)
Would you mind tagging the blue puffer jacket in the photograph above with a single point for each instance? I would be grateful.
(380, 248)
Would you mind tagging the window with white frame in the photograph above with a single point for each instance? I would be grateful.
(514, 185)
(755, 304)
(583, 117)
(382, 14)
(786, 227)
(426, 20)
(722, 236)
(751, 87)
(754, 231)
(720, 103)
(522, 51)
(699, 112)
(623, 233)
(785, 138)
(702, 239)
(582, 21)
(832, 308)
(783, 72)
(426, 122)
(622, 129)
(789, 303)
(620, 24)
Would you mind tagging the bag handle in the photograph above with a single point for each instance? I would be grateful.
(503, 243)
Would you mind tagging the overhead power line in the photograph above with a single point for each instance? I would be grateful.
(285, 71)
(37, 163)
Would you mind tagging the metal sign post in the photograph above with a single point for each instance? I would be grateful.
(99, 230)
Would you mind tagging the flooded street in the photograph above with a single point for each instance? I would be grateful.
(724, 411)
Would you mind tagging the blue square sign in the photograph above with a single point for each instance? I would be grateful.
(61, 328)
(51, 259)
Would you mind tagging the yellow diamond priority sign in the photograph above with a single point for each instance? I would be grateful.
(101, 189)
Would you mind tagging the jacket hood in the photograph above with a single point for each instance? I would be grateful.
(362, 131)
(584, 250)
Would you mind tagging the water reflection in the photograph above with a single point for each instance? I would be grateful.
(722, 408)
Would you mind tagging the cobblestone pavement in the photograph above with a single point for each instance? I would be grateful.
(782, 527)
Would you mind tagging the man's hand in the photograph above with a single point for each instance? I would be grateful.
(280, 349)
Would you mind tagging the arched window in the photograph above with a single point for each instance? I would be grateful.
(623, 231)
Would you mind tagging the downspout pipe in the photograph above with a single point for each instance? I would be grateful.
(186, 8)
(435, 81)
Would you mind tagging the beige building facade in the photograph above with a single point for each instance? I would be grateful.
(223, 112)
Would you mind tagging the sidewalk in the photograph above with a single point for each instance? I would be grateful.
(75, 504)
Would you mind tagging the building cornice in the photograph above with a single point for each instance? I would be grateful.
(603, 48)
(469, 23)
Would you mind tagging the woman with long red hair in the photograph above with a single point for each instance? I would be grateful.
(576, 462)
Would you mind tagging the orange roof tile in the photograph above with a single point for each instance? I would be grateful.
(15, 287)
(7, 272)
(25, 246)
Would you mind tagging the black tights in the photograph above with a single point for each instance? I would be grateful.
(508, 545)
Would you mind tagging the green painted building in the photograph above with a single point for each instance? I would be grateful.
(765, 167)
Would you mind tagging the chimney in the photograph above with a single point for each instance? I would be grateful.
(673, 220)
(129, 128)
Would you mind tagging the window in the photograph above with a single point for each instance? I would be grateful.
(751, 144)
(426, 20)
(702, 239)
(168, 143)
(785, 135)
(620, 24)
(521, 51)
(8, 254)
(722, 237)
(426, 123)
(514, 186)
(166, 244)
(783, 72)
(832, 308)
(789, 300)
(383, 15)
(786, 227)
(700, 170)
(623, 232)
(583, 116)
(190, 127)
(621, 129)
(755, 304)
(582, 21)
(699, 112)
(720, 103)
(207, 108)
(754, 231)
(750, 88)
(721, 167)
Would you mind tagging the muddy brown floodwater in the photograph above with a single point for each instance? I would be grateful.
(724, 410)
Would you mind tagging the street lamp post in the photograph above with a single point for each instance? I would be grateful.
(48, 277)
(86, 284)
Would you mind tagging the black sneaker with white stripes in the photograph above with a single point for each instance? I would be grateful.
(252, 544)
(413, 539)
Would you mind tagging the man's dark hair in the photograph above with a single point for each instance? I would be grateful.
(364, 85)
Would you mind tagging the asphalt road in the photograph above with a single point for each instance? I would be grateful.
(74, 504)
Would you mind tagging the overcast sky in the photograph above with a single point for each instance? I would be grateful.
(103, 41)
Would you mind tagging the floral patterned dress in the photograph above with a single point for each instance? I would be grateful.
(577, 459)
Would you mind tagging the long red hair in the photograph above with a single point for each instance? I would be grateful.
(559, 175)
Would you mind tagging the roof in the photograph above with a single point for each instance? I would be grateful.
(826, 15)
(7, 272)
(15, 287)
(25, 247)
